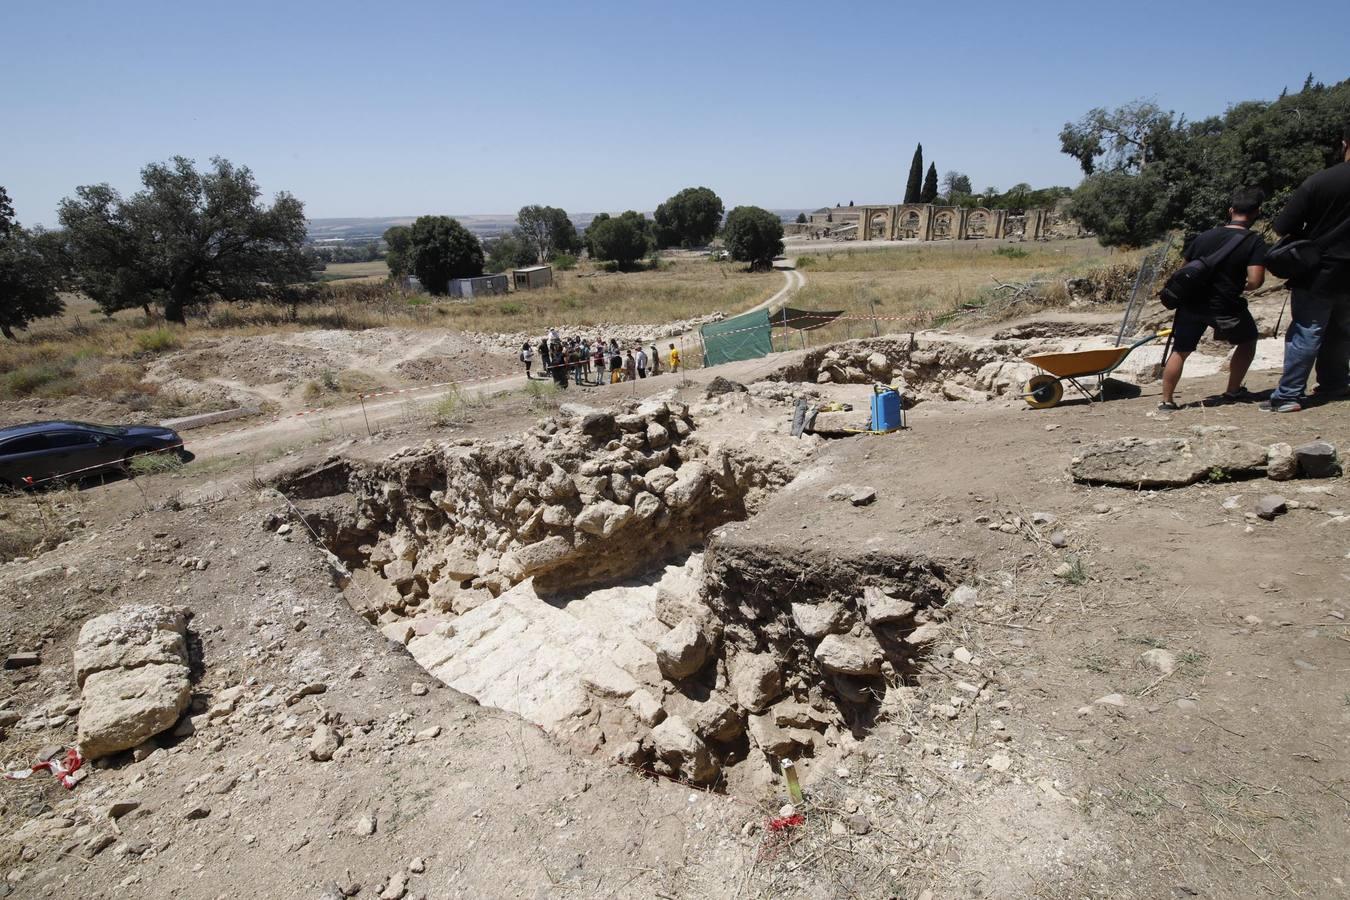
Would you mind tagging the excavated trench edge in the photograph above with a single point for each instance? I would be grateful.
(780, 650)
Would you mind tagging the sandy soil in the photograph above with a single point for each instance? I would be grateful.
(1226, 778)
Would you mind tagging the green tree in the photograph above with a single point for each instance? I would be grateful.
(443, 249)
(688, 219)
(508, 252)
(1192, 167)
(1123, 209)
(546, 231)
(914, 187)
(186, 237)
(7, 223)
(753, 235)
(955, 185)
(930, 185)
(29, 273)
(1126, 138)
(398, 255)
(624, 238)
(801, 218)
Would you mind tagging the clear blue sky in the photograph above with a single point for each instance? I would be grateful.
(402, 108)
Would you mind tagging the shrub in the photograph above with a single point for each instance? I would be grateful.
(511, 308)
(564, 262)
(156, 340)
(28, 379)
(155, 463)
(1012, 252)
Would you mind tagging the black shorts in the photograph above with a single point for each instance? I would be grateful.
(1189, 327)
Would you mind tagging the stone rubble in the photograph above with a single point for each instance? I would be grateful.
(132, 667)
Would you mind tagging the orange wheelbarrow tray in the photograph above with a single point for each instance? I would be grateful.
(1047, 389)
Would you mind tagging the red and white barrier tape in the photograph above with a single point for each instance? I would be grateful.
(62, 766)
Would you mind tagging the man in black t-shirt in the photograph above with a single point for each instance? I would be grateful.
(1225, 310)
(1319, 308)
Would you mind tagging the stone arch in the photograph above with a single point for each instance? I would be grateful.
(944, 225)
(910, 226)
(979, 224)
(877, 223)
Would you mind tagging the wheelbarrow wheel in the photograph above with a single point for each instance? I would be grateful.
(1043, 392)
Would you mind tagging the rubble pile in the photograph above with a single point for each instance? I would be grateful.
(926, 365)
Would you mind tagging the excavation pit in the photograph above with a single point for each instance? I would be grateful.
(589, 578)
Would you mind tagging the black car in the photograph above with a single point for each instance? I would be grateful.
(42, 453)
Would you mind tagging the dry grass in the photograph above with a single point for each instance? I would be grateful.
(331, 386)
(680, 289)
(924, 287)
(374, 271)
(106, 359)
(34, 522)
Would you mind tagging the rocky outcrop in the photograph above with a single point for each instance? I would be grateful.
(1167, 462)
(132, 667)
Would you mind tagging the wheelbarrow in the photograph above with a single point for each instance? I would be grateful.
(1047, 389)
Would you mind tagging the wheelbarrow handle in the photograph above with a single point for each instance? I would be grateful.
(1161, 333)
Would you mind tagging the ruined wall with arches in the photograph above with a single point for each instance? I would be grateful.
(926, 222)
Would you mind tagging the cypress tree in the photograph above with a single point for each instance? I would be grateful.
(930, 187)
(915, 176)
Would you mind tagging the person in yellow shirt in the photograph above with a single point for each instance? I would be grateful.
(674, 359)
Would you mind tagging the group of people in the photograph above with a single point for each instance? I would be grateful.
(585, 362)
(1318, 338)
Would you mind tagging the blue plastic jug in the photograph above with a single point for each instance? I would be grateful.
(888, 413)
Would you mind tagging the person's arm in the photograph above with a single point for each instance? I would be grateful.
(1256, 264)
(1293, 217)
(1256, 276)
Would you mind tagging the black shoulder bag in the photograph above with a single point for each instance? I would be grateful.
(1188, 286)
(1293, 258)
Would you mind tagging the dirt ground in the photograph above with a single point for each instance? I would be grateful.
(1034, 754)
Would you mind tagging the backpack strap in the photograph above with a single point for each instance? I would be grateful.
(1213, 259)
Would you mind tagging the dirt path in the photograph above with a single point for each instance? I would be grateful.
(353, 418)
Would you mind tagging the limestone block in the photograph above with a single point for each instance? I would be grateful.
(131, 636)
(755, 680)
(603, 518)
(683, 650)
(679, 747)
(660, 478)
(818, 619)
(690, 483)
(121, 708)
(881, 609)
(849, 655)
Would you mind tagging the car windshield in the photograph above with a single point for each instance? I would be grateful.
(102, 429)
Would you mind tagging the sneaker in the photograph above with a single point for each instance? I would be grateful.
(1241, 395)
(1280, 406)
(1168, 406)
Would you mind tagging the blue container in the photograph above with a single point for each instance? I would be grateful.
(887, 412)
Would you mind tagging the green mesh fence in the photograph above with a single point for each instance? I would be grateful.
(744, 337)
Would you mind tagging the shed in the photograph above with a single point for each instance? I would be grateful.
(532, 277)
(479, 286)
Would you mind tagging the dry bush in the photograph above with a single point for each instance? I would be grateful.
(32, 523)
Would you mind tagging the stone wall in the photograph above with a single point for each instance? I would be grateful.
(588, 498)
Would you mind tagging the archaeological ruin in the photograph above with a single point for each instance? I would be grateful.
(927, 222)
